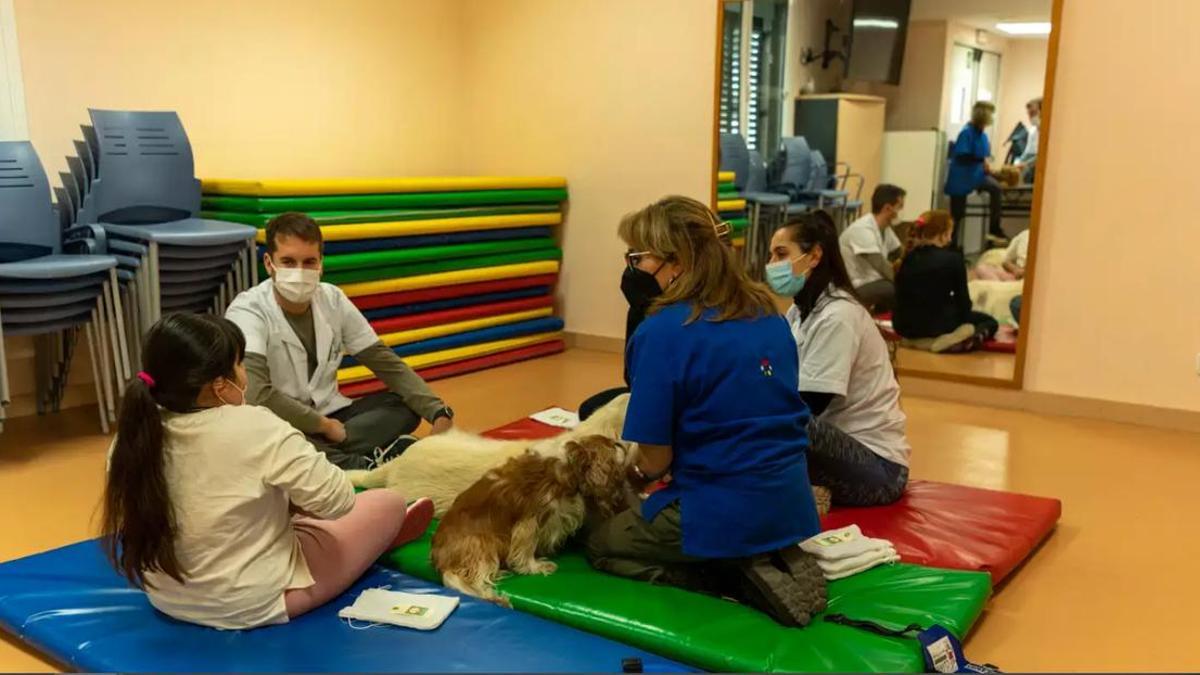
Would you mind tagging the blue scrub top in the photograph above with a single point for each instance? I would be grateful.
(966, 161)
(725, 397)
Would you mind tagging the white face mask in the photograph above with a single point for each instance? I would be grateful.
(297, 284)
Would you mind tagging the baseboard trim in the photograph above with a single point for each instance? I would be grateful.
(599, 343)
(1046, 403)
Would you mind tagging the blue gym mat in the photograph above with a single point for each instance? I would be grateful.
(508, 330)
(68, 603)
(452, 303)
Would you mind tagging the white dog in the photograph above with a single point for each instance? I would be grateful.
(442, 467)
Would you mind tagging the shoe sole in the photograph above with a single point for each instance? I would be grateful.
(777, 593)
(416, 521)
(806, 572)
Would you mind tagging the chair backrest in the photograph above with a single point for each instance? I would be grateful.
(28, 224)
(146, 171)
(819, 178)
(68, 182)
(79, 173)
(797, 167)
(93, 143)
(756, 178)
(736, 158)
(85, 155)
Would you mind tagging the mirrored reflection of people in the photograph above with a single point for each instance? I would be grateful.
(933, 305)
(969, 171)
(868, 247)
(1028, 159)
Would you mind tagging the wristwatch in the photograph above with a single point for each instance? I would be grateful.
(445, 411)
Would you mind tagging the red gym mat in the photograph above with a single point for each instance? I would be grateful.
(445, 316)
(463, 367)
(455, 291)
(989, 346)
(933, 524)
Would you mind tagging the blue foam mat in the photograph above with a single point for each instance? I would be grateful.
(508, 330)
(70, 604)
(453, 303)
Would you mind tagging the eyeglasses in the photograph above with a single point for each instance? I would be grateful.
(633, 257)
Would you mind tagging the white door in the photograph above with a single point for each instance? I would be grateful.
(13, 126)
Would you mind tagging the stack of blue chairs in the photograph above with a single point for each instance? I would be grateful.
(50, 294)
(131, 193)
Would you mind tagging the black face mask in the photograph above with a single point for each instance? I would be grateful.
(640, 288)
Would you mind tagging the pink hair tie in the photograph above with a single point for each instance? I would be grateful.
(145, 377)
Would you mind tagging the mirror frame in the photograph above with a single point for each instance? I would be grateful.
(1017, 381)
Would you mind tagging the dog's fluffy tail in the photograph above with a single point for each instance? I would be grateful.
(361, 478)
(482, 585)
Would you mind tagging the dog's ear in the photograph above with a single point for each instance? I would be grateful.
(576, 454)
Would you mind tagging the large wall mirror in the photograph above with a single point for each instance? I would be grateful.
(918, 126)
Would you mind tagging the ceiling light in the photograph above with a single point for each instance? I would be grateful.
(876, 23)
(1025, 28)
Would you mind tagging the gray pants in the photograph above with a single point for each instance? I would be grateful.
(371, 422)
(854, 474)
(878, 296)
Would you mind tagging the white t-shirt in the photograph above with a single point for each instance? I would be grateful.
(1018, 249)
(232, 472)
(863, 238)
(842, 353)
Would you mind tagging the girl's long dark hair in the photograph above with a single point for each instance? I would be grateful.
(182, 353)
(807, 231)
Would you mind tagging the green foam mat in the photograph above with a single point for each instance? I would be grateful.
(547, 252)
(381, 201)
(739, 225)
(723, 636)
(259, 220)
(368, 259)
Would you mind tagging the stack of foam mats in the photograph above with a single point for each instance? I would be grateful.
(455, 274)
(731, 206)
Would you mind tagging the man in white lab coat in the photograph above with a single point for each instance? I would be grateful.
(297, 331)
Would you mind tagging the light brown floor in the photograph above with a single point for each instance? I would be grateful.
(977, 364)
(1114, 587)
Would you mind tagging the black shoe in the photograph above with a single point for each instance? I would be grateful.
(770, 586)
(384, 455)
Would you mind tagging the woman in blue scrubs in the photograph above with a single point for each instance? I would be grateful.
(715, 403)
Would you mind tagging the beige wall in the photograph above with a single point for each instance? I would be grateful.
(915, 103)
(616, 95)
(806, 28)
(1022, 77)
(268, 87)
(1116, 315)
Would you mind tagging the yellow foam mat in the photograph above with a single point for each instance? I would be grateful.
(404, 228)
(367, 186)
(429, 332)
(731, 205)
(417, 361)
(451, 278)
(725, 176)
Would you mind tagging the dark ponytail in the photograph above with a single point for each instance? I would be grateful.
(807, 231)
(182, 354)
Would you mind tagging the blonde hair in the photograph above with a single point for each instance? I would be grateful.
(928, 227)
(981, 113)
(685, 231)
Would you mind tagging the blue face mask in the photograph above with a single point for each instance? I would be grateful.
(782, 280)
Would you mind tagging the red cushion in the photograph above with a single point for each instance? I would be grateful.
(453, 291)
(957, 527)
(933, 524)
(1000, 346)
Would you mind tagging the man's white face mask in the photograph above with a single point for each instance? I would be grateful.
(296, 284)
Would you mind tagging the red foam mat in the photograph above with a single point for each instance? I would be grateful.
(460, 314)
(454, 291)
(933, 524)
(463, 367)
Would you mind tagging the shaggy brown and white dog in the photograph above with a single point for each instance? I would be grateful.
(525, 509)
(441, 467)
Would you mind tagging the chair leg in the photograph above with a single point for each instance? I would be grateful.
(144, 314)
(119, 321)
(101, 399)
(155, 287)
(4, 397)
(120, 368)
(253, 263)
(106, 369)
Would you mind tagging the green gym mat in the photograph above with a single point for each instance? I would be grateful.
(722, 636)
(739, 226)
(368, 259)
(381, 201)
(547, 252)
(259, 220)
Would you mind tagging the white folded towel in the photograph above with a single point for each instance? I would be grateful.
(846, 542)
(839, 569)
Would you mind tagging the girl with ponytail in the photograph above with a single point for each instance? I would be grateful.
(201, 490)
